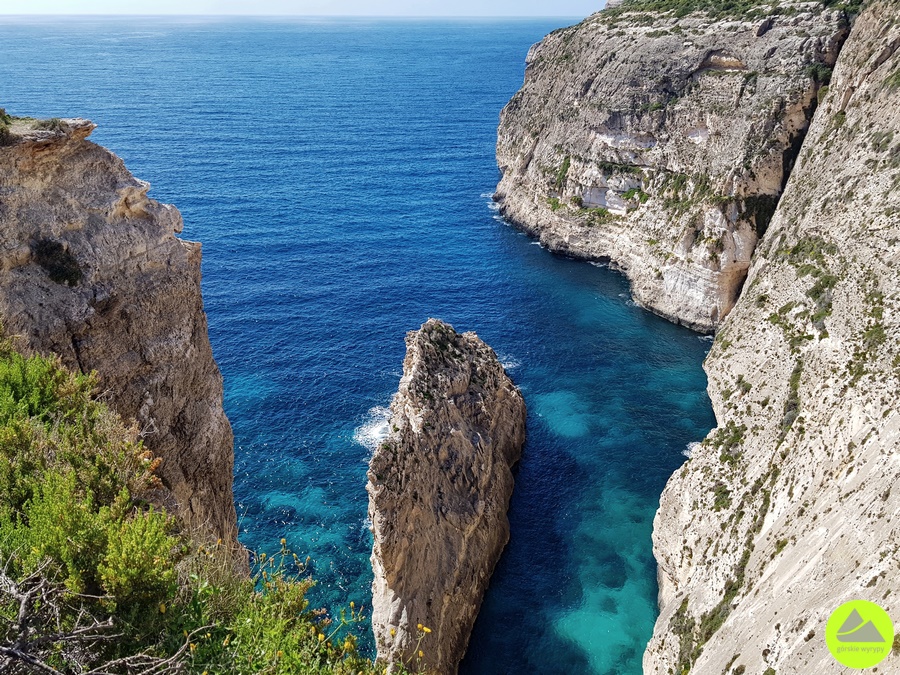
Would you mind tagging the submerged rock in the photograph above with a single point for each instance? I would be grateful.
(91, 270)
(439, 489)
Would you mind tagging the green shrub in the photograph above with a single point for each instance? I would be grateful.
(563, 173)
(53, 124)
(819, 72)
(97, 561)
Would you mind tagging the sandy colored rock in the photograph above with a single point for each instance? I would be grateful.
(663, 144)
(791, 506)
(439, 489)
(91, 270)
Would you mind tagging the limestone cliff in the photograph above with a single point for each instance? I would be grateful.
(91, 270)
(791, 505)
(663, 142)
(439, 489)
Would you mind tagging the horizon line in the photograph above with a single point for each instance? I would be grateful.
(296, 16)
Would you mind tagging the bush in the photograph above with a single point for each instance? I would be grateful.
(108, 581)
(53, 124)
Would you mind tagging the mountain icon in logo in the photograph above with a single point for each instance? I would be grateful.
(857, 629)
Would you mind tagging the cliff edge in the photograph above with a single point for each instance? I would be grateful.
(91, 270)
(790, 507)
(662, 142)
(439, 489)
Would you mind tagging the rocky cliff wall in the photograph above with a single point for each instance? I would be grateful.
(439, 489)
(663, 143)
(791, 505)
(91, 270)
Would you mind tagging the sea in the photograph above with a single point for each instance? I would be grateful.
(339, 174)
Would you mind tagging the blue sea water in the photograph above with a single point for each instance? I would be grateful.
(338, 173)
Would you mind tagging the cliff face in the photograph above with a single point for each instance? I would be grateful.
(791, 505)
(91, 270)
(439, 489)
(662, 143)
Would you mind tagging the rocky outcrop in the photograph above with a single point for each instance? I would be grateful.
(439, 489)
(663, 142)
(91, 270)
(791, 506)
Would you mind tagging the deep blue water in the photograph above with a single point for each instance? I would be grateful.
(336, 172)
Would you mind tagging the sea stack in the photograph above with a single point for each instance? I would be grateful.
(439, 489)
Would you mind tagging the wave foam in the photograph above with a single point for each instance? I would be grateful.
(509, 362)
(375, 429)
(690, 449)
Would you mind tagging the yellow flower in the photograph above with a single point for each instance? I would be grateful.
(262, 557)
(421, 653)
(279, 654)
(419, 626)
(162, 608)
(193, 647)
(393, 631)
(226, 641)
(352, 605)
(426, 629)
(321, 637)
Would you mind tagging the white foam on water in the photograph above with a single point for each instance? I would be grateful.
(690, 449)
(375, 429)
(509, 362)
(706, 338)
(598, 264)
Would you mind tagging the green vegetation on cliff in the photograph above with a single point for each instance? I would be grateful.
(729, 9)
(95, 578)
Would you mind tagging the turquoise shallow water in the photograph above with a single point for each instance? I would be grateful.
(337, 173)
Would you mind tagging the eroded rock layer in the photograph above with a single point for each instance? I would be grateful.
(91, 270)
(439, 489)
(791, 506)
(663, 143)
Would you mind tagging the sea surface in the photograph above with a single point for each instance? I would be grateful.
(338, 173)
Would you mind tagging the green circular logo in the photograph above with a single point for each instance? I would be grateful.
(859, 634)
